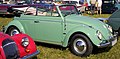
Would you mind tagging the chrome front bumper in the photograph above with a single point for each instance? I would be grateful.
(31, 55)
(110, 43)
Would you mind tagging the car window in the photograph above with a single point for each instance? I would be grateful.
(42, 11)
(68, 10)
(30, 11)
(47, 11)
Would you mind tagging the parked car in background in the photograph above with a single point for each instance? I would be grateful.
(18, 46)
(82, 5)
(117, 4)
(6, 5)
(62, 25)
(110, 6)
(6, 9)
(113, 21)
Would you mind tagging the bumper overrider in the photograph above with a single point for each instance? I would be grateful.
(111, 42)
(31, 55)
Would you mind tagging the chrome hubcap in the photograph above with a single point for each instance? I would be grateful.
(13, 32)
(80, 46)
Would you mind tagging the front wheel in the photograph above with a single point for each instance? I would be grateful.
(80, 45)
(12, 31)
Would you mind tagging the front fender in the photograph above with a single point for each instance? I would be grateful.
(88, 31)
(32, 47)
(15, 23)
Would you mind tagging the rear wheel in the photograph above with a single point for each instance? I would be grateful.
(80, 45)
(12, 31)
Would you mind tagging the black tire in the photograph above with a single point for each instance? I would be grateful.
(83, 42)
(119, 32)
(35, 57)
(12, 31)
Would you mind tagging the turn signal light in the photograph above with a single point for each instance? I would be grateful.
(27, 50)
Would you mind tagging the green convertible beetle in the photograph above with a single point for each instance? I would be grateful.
(62, 25)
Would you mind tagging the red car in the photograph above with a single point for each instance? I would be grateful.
(19, 46)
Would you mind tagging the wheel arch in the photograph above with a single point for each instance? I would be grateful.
(7, 31)
(16, 24)
(78, 33)
(90, 33)
(67, 42)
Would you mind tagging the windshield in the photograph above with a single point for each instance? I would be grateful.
(68, 10)
(42, 10)
(51, 10)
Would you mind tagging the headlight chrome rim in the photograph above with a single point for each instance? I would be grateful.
(25, 41)
(99, 35)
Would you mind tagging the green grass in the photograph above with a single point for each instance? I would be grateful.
(56, 52)
(4, 21)
(98, 16)
(48, 51)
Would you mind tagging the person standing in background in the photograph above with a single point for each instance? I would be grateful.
(88, 1)
(99, 8)
(92, 2)
(81, 1)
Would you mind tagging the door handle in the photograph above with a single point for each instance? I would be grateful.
(36, 21)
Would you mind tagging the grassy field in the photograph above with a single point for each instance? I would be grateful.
(48, 51)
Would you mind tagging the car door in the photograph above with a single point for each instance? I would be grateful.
(49, 29)
(27, 22)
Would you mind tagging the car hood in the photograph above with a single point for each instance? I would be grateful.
(85, 20)
(92, 22)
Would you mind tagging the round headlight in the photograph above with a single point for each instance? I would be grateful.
(25, 42)
(99, 35)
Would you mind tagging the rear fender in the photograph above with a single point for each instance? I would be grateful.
(16, 24)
